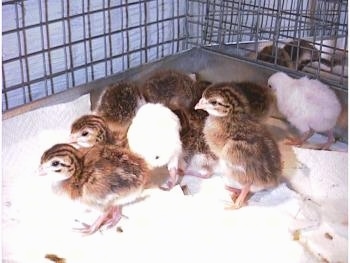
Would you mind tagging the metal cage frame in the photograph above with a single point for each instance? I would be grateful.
(50, 48)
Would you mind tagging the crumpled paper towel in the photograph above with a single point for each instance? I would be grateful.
(24, 138)
(299, 221)
(312, 201)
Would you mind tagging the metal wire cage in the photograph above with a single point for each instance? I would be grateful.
(243, 28)
(51, 46)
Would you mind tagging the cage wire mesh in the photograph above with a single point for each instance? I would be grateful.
(243, 28)
(51, 46)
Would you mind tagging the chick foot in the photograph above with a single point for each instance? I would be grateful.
(299, 141)
(328, 144)
(110, 218)
(172, 180)
(235, 192)
(293, 141)
(240, 200)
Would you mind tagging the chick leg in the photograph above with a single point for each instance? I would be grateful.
(235, 192)
(90, 229)
(300, 140)
(329, 142)
(115, 216)
(111, 217)
(240, 200)
(172, 180)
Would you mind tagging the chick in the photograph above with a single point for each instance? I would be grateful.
(260, 99)
(270, 55)
(89, 130)
(154, 134)
(247, 152)
(106, 177)
(174, 89)
(301, 52)
(199, 160)
(118, 104)
(307, 104)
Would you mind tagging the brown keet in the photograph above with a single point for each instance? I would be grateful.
(89, 130)
(276, 55)
(260, 98)
(301, 52)
(199, 159)
(174, 89)
(248, 154)
(106, 177)
(118, 104)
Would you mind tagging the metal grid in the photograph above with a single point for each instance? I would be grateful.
(237, 21)
(51, 46)
(243, 27)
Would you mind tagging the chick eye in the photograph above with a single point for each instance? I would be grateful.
(269, 86)
(213, 102)
(84, 133)
(55, 163)
(157, 157)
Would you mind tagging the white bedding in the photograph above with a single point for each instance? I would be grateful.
(306, 224)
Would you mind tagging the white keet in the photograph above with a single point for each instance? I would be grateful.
(308, 104)
(154, 134)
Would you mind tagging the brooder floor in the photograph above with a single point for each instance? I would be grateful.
(302, 220)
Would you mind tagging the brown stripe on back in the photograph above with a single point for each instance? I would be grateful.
(238, 100)
(88, 121)
(230, 95)
(119, 101)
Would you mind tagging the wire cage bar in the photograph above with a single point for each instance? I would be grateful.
(244, 28)
(52, 46)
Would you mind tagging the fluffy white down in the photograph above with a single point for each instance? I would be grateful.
(306, 103)
(154, 135)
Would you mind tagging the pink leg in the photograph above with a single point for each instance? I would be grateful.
(172, 180)
(329, 142)
(239, 202)
(116, 215)
(300, 140)
(235, 192)
(111, 217)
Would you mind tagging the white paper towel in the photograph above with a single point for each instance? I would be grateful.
(280, 225)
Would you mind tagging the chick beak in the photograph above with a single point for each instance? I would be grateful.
(201, 105)
(41, 171)
(72, 139)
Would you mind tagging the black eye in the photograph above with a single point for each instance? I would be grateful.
(269, 86)
(55, 163)
(84, 133)
(157, 157)
(213, 102)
